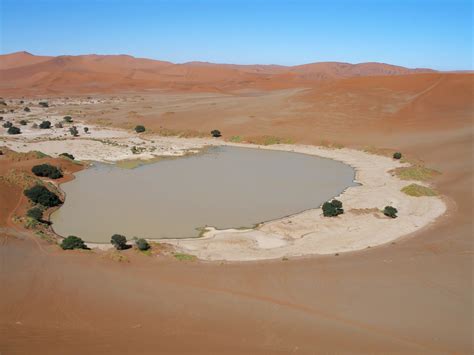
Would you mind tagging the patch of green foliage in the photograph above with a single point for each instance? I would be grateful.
(416, 172)
(140, 128)
(67, 155)
(184, 257)
(73, 242)
(40, 194)
(397, 155)
(333, 208)
(390, 211)
(142, 244)
(216, 133)
(45, 125)
(119, 241)
(47, 170)
(235, 139)
(67, 119)
(35, 213)
(13, 130)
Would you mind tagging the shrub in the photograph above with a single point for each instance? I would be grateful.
(35, 213)
(142, 244)
(58, 125)
(34, 125)
(390, 211)
(45, 125)
(418, 190)
(44, 104)
(216, 133)
(397, 155)
(40, 194)
(73, 242)
(119, 241)
(14, 130)
(86, 129)
(67, 119)
(26, 109)
(333, 208)
(47, 170)
(67, 155)
(73, 130)
(7, 124)
(23, 122)
(140, 129)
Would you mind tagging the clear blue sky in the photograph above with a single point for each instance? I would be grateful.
(413, 33)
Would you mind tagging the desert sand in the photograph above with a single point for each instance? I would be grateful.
(414, 296)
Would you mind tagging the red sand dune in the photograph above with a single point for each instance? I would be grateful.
(29, 74)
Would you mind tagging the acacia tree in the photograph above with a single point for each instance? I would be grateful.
(119, 241)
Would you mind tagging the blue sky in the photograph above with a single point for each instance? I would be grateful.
(413, 33)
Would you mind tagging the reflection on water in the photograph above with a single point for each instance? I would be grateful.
(226, 187)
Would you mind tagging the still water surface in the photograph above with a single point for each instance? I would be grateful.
(225, 187)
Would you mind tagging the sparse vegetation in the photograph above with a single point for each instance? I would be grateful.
(142, 244)
(235, 139)
(41, 195)
(7, 124)
(390, 211)
(74, 132)
(58, 125)
(45, 125)
(43, 103)
(23, 122)
(416, 172)
(14, 130)
(397, 155)
(119, 241)
(184, 257)
(86, 129)
(67, 119)
(47, 170)
(73, 242)
(140, 129)
(416, 190)
(26, 109)
(67, 155)
(216, 133)
(333, 208)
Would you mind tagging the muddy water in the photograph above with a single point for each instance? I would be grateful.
(225, 187)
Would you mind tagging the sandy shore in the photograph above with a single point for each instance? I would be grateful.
(363, 224)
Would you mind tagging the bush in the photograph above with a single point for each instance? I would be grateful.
(390, 211)
(14, 130)
(7, 124)
(142, 244)
(67, 155)
(397, 155)
(216, 133)
(40, 194)
(119, 241)
(45, 125)
(23, 122)
(58, 125)
(26, 109)
(333, 208)
(34, 125)
(67, 119)
(73, 130)
(36, 213)
(73, 242)
(44, 104)
(140, 129)
(46, 170)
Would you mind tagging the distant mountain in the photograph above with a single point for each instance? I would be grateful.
(23, 72)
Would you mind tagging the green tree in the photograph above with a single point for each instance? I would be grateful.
(13, 130)
(35, 213)
(119, 241)
(140, 129)
(397, 155)
(73, 242)
(390, 211)
(333, 208)
(216, 133)
(47, 170)
(142, 244)
(40, 194)
(45, 125)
